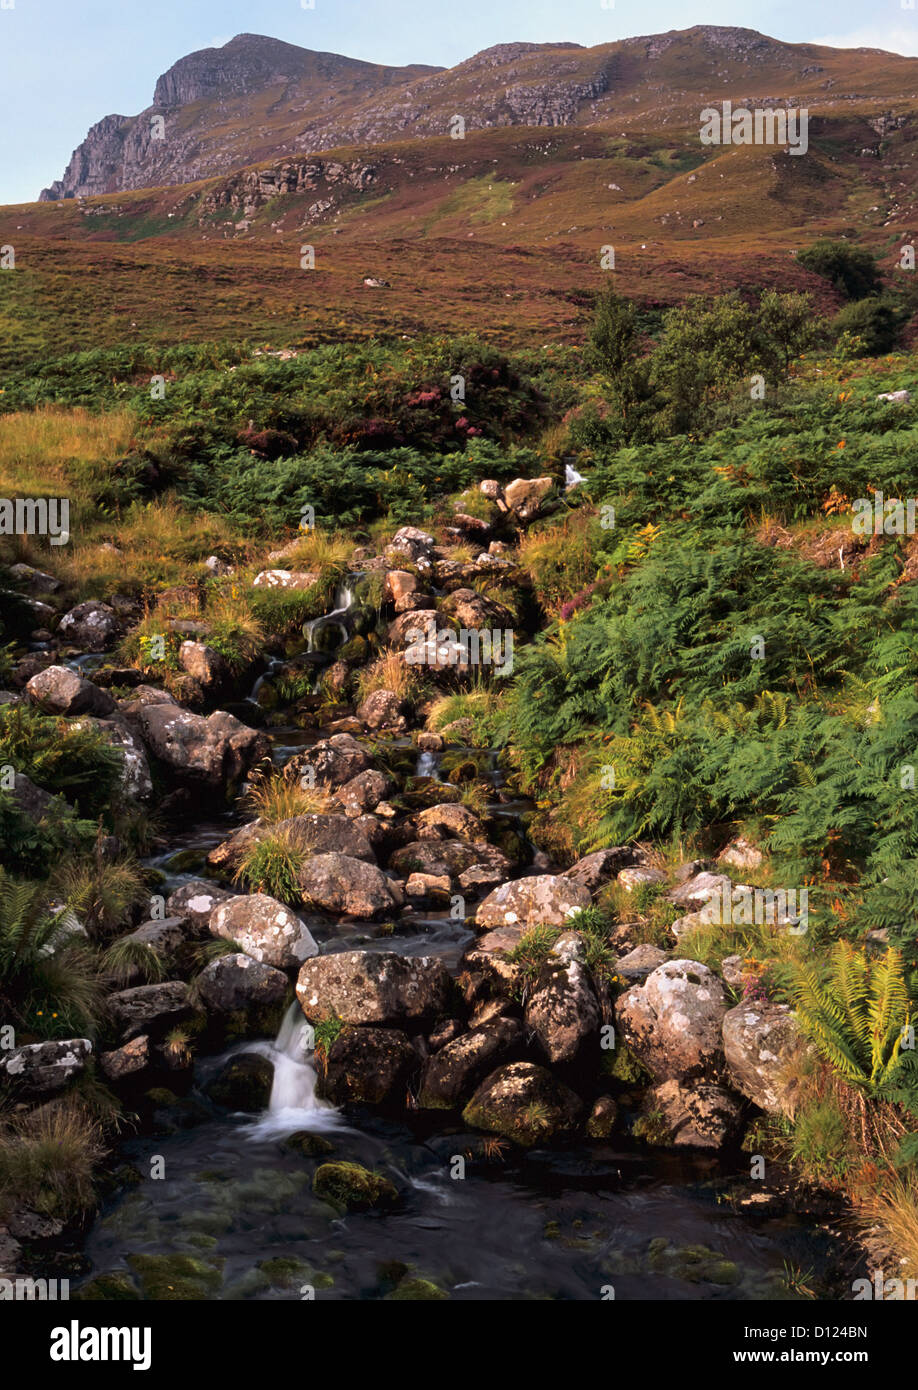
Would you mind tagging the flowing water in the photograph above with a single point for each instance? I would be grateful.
(235, 1194)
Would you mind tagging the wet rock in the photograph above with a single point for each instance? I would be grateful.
(44, 1069)
(244, 1083)
(265, 929)
(339, 883)
(196, 901)
(542, 900)
(672, 1022)
(237, 983)
(152, 1009)
(92, 626)
(524, 1103)
(365, 987)
(704, 1116)
(373, 1066)
(761, 1042)
(351, 1187)
(452, 1073)
(215, 751)
(383, 709)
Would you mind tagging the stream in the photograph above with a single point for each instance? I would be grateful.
(602, 1220)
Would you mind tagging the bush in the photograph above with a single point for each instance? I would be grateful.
(849, 269)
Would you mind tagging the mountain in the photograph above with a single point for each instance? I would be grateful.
(258, 99)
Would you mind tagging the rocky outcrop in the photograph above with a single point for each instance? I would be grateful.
(213, 752)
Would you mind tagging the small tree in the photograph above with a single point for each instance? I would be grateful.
(789, 322)
(613, 343)
(850, 269)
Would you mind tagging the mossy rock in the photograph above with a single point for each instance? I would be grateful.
(354, 652)
(244, 1083)
(309, 1145)
(353, 1187)
(117, 1287)
(177, 1278)
(416, 1291)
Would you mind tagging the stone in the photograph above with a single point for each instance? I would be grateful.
(196, 901)
(451, 1074)
(59, 690)
(673, 1021)
(93, 626)
(449, 820)
(152, 1009)
(700, 890)
(761, 1044)
(215, 751)
(44, 1069)
(235, 983)
(602, 1118)
(473, 610)
(33, 581)
(446, 857)
(204, 664)
(598, 868)
(127, 1063)
(243, 1083)
(366, 987)
(634, 877)
(332, 761)
(264, 929)
(284, 579)
(703, 1116)
(639, 963)
(382, 709)
(371, 1066)
(340, 883)
(364, 793)
(524, 1103)
(429, 888)
(741, 854)
(564, 1013)
(541, 900)
(524, 496)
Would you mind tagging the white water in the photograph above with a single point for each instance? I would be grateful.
(294, 1104)
(344, 598)
(571, 477)
(427, 765)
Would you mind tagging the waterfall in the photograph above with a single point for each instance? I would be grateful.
(293, 1104)
(427, 765)
(344, 599)
(571, 477)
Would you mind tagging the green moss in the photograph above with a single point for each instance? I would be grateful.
(353, 1187)
(108, 1288)
(309, 1145)
(168, 1278)
(416, 1290)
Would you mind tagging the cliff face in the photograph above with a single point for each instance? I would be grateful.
(257, 99)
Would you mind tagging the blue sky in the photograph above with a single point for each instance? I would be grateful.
(66, 63)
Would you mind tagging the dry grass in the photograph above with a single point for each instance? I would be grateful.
(389, 672)
(893, 1210)
(274, 797)
(47, 1160)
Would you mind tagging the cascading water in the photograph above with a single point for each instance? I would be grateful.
(293, 1104)
(427, 765)
(344, 600)
(571, 477)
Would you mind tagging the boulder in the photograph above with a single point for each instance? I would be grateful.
(635, 876)
(673, 1021)
(166, 936)
(473, 610)
(366, 987)
(430, 888)
(412, 625)
(639, 963)
(761, 1043)
(542, 900)
(598, 868)
(450, 857)
(447, 821)
(602, 1118)
(524, 496)
(32, 580)
(136, 781)
(524, 1103)
(382, 709)
(741, 854)
(237, 983)
(451, 1074)
(704, 1116)
(284, 579)
(44, 1069)
(196, 901)
(339, 883)
(364, 793)
(243, 1083)
(699, 890)
(332, 761)
(93, 626)
(265, 929)
(59, 690)
(204, 665)
(412, 543)
(152, 1009)
(316, 832)
(372, 1066)
(214, 751)
(127, 1063)
(564, 1013)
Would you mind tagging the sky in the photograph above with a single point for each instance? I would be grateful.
(64, 64)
